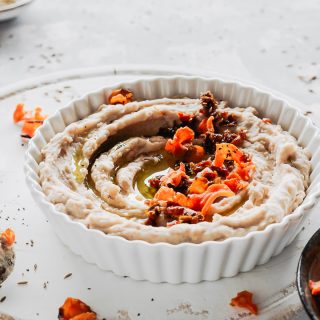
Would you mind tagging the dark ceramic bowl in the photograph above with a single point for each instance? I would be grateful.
(309, 269)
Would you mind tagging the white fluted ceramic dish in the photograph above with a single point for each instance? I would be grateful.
(187, 262)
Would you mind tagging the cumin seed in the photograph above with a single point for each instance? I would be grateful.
(68, 275)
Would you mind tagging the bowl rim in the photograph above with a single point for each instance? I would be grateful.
(299, 282)
(14, 5)
(295, 215)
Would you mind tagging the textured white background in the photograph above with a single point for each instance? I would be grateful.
(274, 43)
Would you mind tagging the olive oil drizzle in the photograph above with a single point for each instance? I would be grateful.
(150, 170)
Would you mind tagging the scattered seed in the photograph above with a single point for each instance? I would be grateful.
(22, 282)
(3, 298)
(68, 275)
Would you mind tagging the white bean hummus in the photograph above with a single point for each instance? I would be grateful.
(174, 170)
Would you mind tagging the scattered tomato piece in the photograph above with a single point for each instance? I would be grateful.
(29, 127)
(85, 316)
(120, 96)
(31, 120)
(244, 300)
(19, 113)
(75, 309)
(8, 237)
(314, 287)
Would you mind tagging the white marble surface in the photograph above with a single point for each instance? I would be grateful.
(274, 43)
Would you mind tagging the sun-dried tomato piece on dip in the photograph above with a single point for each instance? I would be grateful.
(244, 300)
(120, 96)
(75, 309)
(210, 166)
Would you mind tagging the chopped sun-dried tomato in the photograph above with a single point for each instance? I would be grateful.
(210, 126)
(245, 172)
(209, 173)
(198, 201)
(206, 125)
(174, 177)
(227, 151)
(75, 309)
(198, 185)
(176, 145)
(195, 154)
(212, 197)
(244, 300)
(180, 199)
(165, 193)
(214, 168)
(202, 127)
(266, 120)
(217, 187)
(120, 96)
(8, 237)
(235, 184)
(185, 117)
(314, 287)
(169, 195)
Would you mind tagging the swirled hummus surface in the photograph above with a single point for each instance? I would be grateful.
(174, 170)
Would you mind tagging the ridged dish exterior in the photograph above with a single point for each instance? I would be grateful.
(187, 262)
